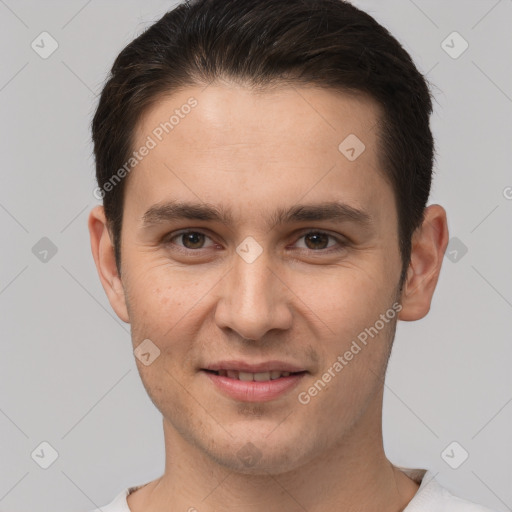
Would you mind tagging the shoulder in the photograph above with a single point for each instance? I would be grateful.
(433, 497)
(118, 504)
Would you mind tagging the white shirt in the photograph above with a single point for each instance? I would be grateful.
(430, 497)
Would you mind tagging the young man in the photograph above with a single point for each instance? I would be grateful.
(265, 167)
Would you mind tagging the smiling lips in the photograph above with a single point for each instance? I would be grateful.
(247, 372)
(249, 376)
(254, 382)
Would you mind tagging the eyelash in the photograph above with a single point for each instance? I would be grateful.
(340, 241)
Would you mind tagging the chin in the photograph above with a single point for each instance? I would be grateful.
(259, 454)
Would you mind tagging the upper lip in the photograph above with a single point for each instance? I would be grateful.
(266, 366)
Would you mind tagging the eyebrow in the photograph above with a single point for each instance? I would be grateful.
(329, 211)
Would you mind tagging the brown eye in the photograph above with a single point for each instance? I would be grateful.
(192, 240)
(316, 240)
(189, 240)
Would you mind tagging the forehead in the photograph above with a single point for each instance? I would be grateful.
(287, 116)
(214, 141)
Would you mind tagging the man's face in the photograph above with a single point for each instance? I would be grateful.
(303, 300)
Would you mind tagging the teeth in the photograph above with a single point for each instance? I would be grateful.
(262, 376)
(248, 377)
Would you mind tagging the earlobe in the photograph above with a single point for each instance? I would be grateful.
(428, 247)
(104, 258)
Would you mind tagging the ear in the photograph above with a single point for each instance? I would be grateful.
(429, 243)
(104, 257)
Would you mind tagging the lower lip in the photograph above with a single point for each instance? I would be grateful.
(252, 391)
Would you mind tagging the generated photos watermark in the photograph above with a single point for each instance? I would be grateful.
(158, 133)
(304, 397)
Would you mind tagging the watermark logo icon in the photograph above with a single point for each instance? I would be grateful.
(249, 250)
(44, 250)
(351, 147)
(44, 45)
(44, 455)
(146, 352)
(249, 454)
(456, 250)
(454, 455)
(454, 45)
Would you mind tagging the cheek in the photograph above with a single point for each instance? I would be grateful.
(346, 299)
(350, 303)
(158, 290)
(166, 306)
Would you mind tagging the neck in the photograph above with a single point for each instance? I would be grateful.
(354, 475)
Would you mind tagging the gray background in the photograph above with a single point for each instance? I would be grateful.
(67, 372)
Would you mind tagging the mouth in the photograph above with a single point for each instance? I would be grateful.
(256, 377)
(246, 386)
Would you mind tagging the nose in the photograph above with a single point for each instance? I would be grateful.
(253, 299)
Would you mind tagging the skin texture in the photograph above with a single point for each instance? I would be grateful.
(299, 301)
